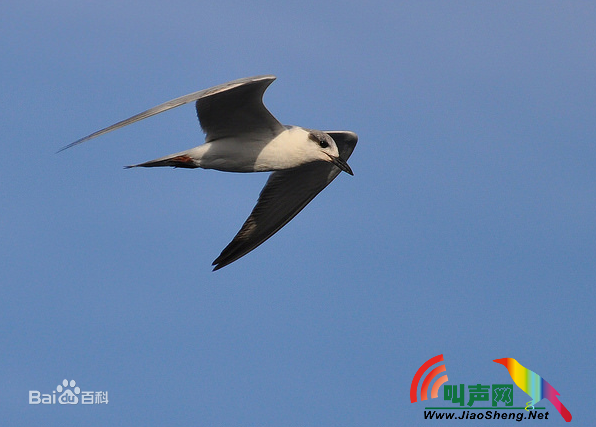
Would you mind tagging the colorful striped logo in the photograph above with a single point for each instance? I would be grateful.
(534, 385)
(428, 379)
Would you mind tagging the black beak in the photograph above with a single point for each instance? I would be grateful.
(342, 164)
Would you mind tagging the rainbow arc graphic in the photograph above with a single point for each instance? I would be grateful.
(434, 393)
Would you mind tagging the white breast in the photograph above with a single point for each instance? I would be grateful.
(232, 155)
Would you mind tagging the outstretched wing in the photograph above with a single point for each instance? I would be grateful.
(285, 194)
(238, 111)
(218, 98)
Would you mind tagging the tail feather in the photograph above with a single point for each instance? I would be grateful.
(178, 161)
(560, 407)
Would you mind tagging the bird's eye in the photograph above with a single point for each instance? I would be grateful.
(319, 140)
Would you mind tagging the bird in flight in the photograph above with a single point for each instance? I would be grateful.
(241, 135)
(534, 385)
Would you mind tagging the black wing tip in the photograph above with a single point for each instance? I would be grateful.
(223, 260)
(66, 147)
(219, 264)
(78, 141)
(229, 255)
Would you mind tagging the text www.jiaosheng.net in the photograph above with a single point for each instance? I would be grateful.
(485, 415)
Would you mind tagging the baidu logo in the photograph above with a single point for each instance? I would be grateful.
(68, 393)
(68, 397)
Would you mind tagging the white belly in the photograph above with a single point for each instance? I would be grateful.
(232, 155)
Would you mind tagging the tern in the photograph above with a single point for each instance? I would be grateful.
(241, 135)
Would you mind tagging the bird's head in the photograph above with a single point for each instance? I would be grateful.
(322, 147)
(501, 361)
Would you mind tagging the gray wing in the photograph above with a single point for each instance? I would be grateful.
(285, 194)
(238, 111)
(255, 87)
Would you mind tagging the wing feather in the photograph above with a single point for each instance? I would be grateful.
(285, 194)
(249, 89)
(238, 111)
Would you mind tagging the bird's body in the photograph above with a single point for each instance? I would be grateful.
(287, 150)
(534, 385)
(243, 136)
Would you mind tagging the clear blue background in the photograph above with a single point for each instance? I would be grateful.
(468, 229)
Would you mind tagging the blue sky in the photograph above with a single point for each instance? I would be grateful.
(467, 230)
